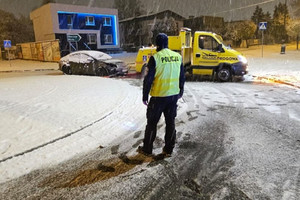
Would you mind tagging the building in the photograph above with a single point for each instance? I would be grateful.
(205, 23)
(77, 27)
(141, 30)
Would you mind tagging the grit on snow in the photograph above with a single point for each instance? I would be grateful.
(48, 119)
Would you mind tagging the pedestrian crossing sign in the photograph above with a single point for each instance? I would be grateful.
(144, 58)
(7, 44)
(262, 25)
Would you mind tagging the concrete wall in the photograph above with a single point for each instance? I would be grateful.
(43, 23)
(42, 51)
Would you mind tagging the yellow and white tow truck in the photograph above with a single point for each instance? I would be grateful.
(203, 54)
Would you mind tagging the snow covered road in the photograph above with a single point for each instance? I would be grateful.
(53, 118)
(74, 137)
(234, 139)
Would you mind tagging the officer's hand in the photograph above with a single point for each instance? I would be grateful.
(145, 103)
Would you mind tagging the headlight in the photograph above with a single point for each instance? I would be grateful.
(242, 59)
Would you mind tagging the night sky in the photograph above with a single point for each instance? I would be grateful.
(229, 9)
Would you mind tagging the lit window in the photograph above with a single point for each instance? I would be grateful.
(92, 39)
(108, 39)
(107, 21)
(70, 21)
(89, 21)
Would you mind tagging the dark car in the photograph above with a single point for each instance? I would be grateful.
(92, 63)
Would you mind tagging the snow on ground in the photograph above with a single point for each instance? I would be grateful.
(63, 116)
(26, 65)
(61, 119)
(272, 65)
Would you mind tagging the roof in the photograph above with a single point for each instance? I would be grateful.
(151, 15)
(74, 8)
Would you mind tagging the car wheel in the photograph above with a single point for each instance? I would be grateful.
(67, 70)
(224, 74)
(102, 71)
(63, 69)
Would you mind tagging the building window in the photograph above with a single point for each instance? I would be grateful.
(106, 21)
(107, 38)
(209, 43)
(70, 21)
(89, 21)
(92, 39)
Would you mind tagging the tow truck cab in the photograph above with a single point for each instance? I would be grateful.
(204, 54)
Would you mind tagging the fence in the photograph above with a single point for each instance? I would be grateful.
(42, 51)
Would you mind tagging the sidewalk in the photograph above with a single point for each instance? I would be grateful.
(19, 65)
(26, 65)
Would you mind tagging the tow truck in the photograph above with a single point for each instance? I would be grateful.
(204, 54)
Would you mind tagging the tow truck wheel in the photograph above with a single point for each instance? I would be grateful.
(224, 74)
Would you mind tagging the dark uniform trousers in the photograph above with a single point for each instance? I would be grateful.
(157, 106)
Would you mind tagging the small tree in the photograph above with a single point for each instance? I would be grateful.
(247, 30)
(293, 30)
(238, 31)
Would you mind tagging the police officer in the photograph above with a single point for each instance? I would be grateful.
(165, 82)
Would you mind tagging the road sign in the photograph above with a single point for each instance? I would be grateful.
(262, 25)
(7, 44)
(73, 38)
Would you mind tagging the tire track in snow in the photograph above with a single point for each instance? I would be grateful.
(55, 140)
(31, 97)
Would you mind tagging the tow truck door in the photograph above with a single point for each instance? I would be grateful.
(205, 57)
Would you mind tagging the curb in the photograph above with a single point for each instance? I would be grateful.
(27, 70)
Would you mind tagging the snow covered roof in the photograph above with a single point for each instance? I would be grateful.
(152, 15)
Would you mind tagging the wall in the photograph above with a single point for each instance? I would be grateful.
(42, 51)
(84, 10)
(42, 23)
(46, 22)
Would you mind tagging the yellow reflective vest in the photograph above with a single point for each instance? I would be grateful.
(167, 72)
